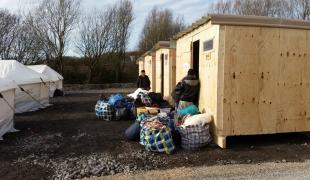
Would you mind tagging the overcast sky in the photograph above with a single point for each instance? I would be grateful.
(191, 10)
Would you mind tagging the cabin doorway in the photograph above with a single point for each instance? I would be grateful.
(195, 55)
(162, 57)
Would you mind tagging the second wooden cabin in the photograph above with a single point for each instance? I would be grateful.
(149, 63)
(165, 68)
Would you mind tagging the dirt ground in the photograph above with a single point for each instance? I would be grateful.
(66, 141)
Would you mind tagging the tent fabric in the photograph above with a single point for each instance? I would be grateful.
(35, 98)
(11, 69)
(36, 94)
(6, 84)
(55, 78)
(7, 90)
(47, 71)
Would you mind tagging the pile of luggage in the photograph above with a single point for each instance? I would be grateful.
(158, 126)
(163, 129)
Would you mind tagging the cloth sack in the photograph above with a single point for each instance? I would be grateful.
(194, 137)
(133, 132)
(157, 137)
(104, 111)
(131, 110)
(121, 114)
(192, 110)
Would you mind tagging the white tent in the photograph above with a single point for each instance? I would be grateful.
(55, 78)
(7, 94)
(33, 92)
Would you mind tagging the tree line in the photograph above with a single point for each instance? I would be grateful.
(292, 9)
(45, 32)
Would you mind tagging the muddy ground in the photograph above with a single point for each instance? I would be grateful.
(66, 141)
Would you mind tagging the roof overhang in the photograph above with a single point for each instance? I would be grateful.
(234, 20)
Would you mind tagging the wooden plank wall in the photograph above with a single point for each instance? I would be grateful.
(172, 75)
(159, 52)
(266, 80)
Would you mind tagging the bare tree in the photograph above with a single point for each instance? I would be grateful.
(300, 9)
(26, 48)
(160, 25)
(8, 24)
(53, 21)
(123, 18)
(95, 39)
(273, 8)
(222, 7)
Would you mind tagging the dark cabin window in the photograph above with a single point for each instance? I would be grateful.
(166, 56)
(208, 45)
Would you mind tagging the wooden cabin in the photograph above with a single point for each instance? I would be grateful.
(254, 73)
(149, 67)
(165, 69)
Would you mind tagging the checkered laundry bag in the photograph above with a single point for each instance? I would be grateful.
(104, 111)
(195, 136)
(157, 139)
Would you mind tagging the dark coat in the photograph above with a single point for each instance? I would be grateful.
(144, 82)
(187, 90)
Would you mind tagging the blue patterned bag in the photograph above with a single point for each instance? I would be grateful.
(104, 111)
(157, 139)
(116, 100)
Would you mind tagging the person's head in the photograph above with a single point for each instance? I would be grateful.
(191, 72)
(143, 72)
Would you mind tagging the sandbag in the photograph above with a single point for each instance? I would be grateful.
(104, 111)
(133, 132)
(192, 110)
(194, 137)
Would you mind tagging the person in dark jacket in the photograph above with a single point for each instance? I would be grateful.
(143, 81)
(187, 90)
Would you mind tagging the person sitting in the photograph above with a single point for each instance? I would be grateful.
(186, 92)
(143, 81)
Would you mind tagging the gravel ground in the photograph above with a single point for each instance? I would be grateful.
(66, 141)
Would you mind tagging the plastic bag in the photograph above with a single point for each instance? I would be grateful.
(115, 99)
